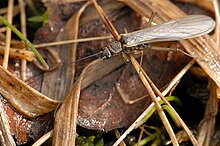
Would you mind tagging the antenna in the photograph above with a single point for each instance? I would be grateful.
(87, 57)
(29, 82)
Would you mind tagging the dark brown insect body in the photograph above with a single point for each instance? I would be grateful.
(182, 28)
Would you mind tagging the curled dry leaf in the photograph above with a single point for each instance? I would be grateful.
(57, 84)
(22, 97)
(66, 116)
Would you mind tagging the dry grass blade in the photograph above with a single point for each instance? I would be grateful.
(19, 54)
(118, 135)
(172, 83)
(207, 125)
(177, 78)
(106, 21)
(44, 138)
(24, 32)
(72, 41)
(32, 104)
(183, 125)
(66, 116)
(68, 109)
(8, 33)
(153, 97)
(67, 54)
(22, 97)
(99, 70)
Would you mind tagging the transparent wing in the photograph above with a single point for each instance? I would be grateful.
(177, 29)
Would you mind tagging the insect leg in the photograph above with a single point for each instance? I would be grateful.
(124, 96)
(151, 19)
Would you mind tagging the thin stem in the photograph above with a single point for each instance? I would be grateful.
(44, 138)
(8, 34)
(72, 41)
(24, 32)
(106, 21)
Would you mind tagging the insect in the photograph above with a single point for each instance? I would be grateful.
(177, 29)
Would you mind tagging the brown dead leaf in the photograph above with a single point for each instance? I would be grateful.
(101, 107)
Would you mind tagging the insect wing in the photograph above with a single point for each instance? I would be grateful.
(177, 29)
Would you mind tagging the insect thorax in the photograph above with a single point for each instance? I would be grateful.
(111, 50)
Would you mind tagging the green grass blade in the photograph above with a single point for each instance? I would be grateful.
(28, 43)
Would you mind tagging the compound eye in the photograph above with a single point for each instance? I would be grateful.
(124, 40)
(106, 54)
